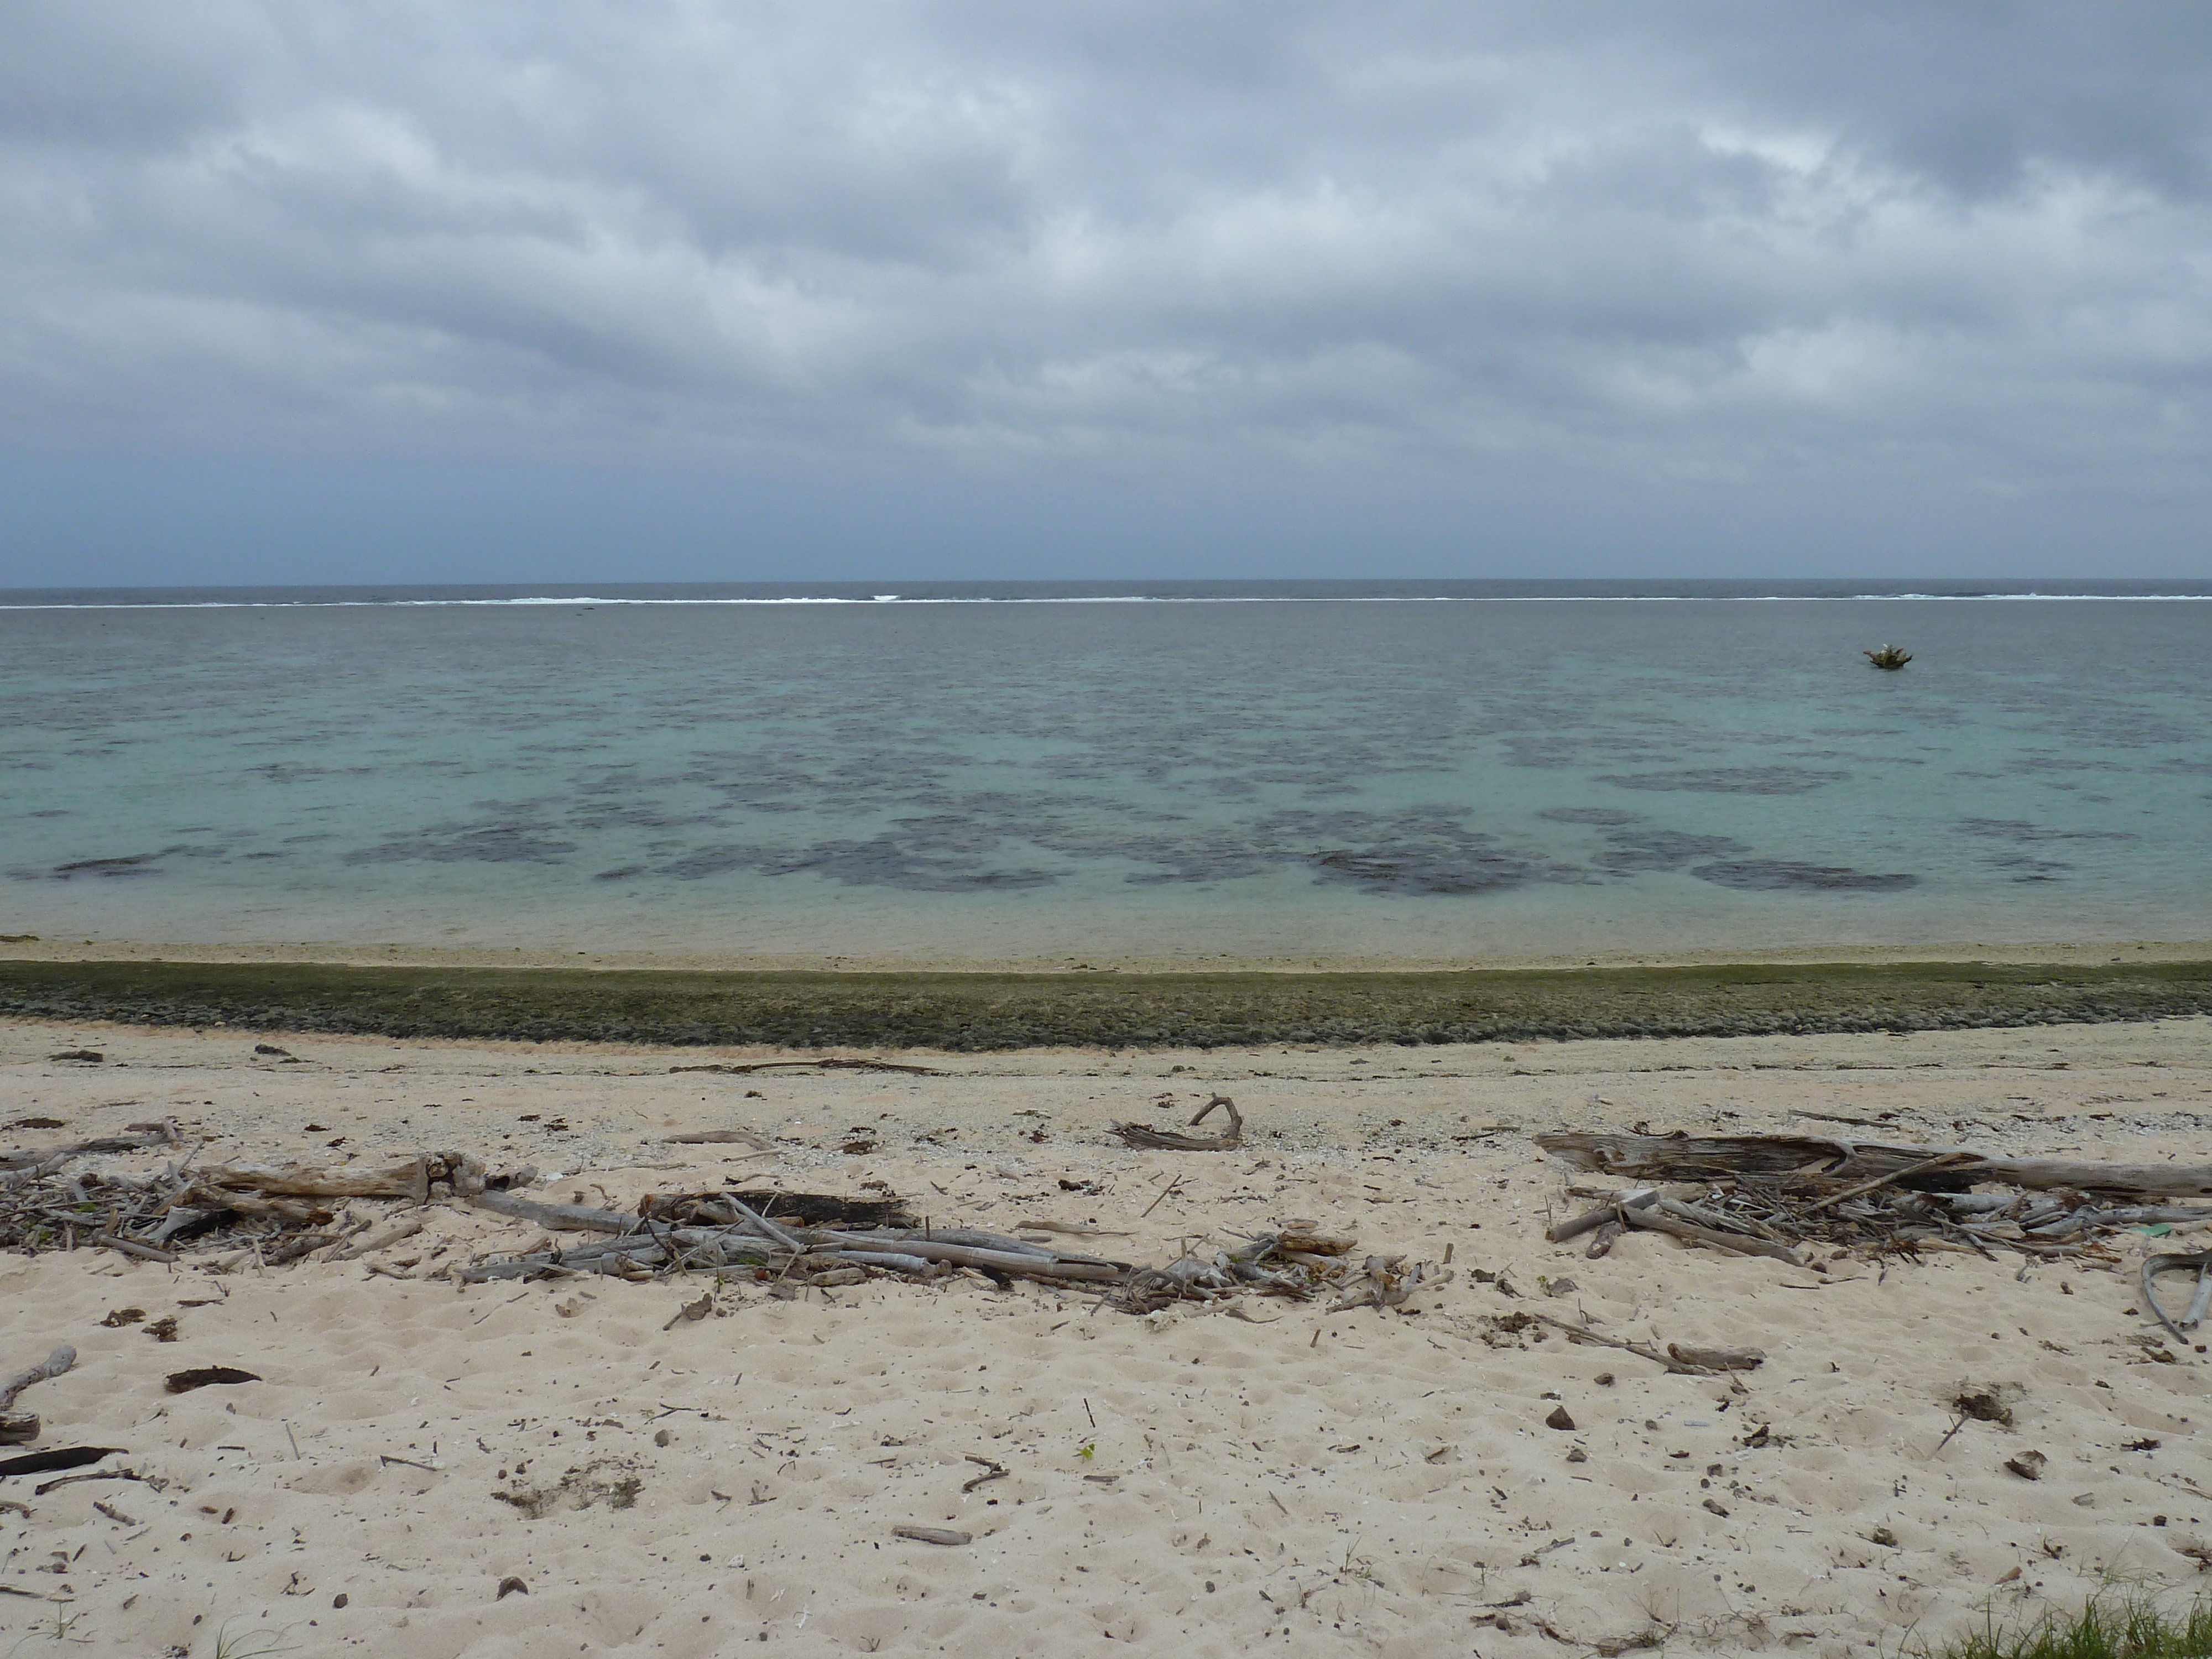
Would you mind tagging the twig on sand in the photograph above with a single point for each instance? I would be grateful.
(991, 1472)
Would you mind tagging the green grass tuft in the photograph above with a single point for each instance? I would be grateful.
(2133, 1627)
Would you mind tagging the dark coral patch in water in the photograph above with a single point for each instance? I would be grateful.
(2022, 832)
(1777, 875)
(490, 843)
(1431, 869)
(1664, 849)
(1588, 815)
(1731, 780)
(137, 864)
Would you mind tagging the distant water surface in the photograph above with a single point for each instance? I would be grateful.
(1197, 770)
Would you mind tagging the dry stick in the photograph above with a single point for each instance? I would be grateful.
(559, 1218)
(1940, 1161)
(41, 1489)
(1590, 1220)
(1702, 1157)
(933, 1535)
(1682, 1365)
(993, 1472)
(768, 1229)
(382, 1241)
(131, 1247)
(55, 1364)
(1683, 1229)
(1162, 1198)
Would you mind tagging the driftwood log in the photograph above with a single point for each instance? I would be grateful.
(2199, 1304)
(1686, 1157)
(1167, 1141)
(52, 1157)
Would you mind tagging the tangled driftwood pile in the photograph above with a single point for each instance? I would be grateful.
(227, 1215)
(1768, 1195)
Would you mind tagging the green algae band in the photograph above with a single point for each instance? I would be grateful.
(983, 1010)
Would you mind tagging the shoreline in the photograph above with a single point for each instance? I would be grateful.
(2081, 952)
(973, 1009)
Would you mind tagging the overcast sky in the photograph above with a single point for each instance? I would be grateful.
(312, 291)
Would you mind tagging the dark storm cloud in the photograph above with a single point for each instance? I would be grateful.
(1962, 245)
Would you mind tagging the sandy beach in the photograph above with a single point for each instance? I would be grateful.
(1257, 1476)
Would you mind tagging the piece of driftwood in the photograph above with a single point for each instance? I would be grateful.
(63, 1457)
(1678, 1359)
(720, 1208)
(1167, 1140)
(1888, 657)
(53, 1365)
(54, 1156)
(559, 1218)
(386, 1239)
(18, 1428)
(1685, 1156)
(1718, 1359)
(1941, 1161)
(2155, 1265)
(1590, 1220)
(1649, 1218)
(944, 1536)
(724, 1138)
(201, 1376)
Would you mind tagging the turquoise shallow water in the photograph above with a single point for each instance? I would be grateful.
(1498, 773)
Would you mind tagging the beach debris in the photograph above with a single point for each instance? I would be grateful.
(64, 1457)
(2027, 1465)
(82, 1056)
(1888, 657)
(992, 1471)
(55, 1365)
(722, 1207)
(1765, 1195)
(43, 1160)
(1990, 1405)
(2198, 1303)
(167, 1328)
(724, 1138)
(1167, 1140)
(1559, 1419)
(1682, 1155)
(944, 1536)
(689, 1310)
(511, 1585)
(20, 1428)
(1680, 1360)
(201, 1376)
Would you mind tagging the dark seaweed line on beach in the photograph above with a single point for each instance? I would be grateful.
(977, 1011)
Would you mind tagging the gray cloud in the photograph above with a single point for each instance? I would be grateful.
(1960, 252)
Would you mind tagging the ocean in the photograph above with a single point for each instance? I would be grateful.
(1069, 772)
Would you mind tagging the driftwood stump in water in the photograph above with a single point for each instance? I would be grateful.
(1888, 657)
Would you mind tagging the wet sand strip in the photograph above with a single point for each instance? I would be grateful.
(972, 1012)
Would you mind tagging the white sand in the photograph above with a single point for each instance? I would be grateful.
(1369, 1482)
